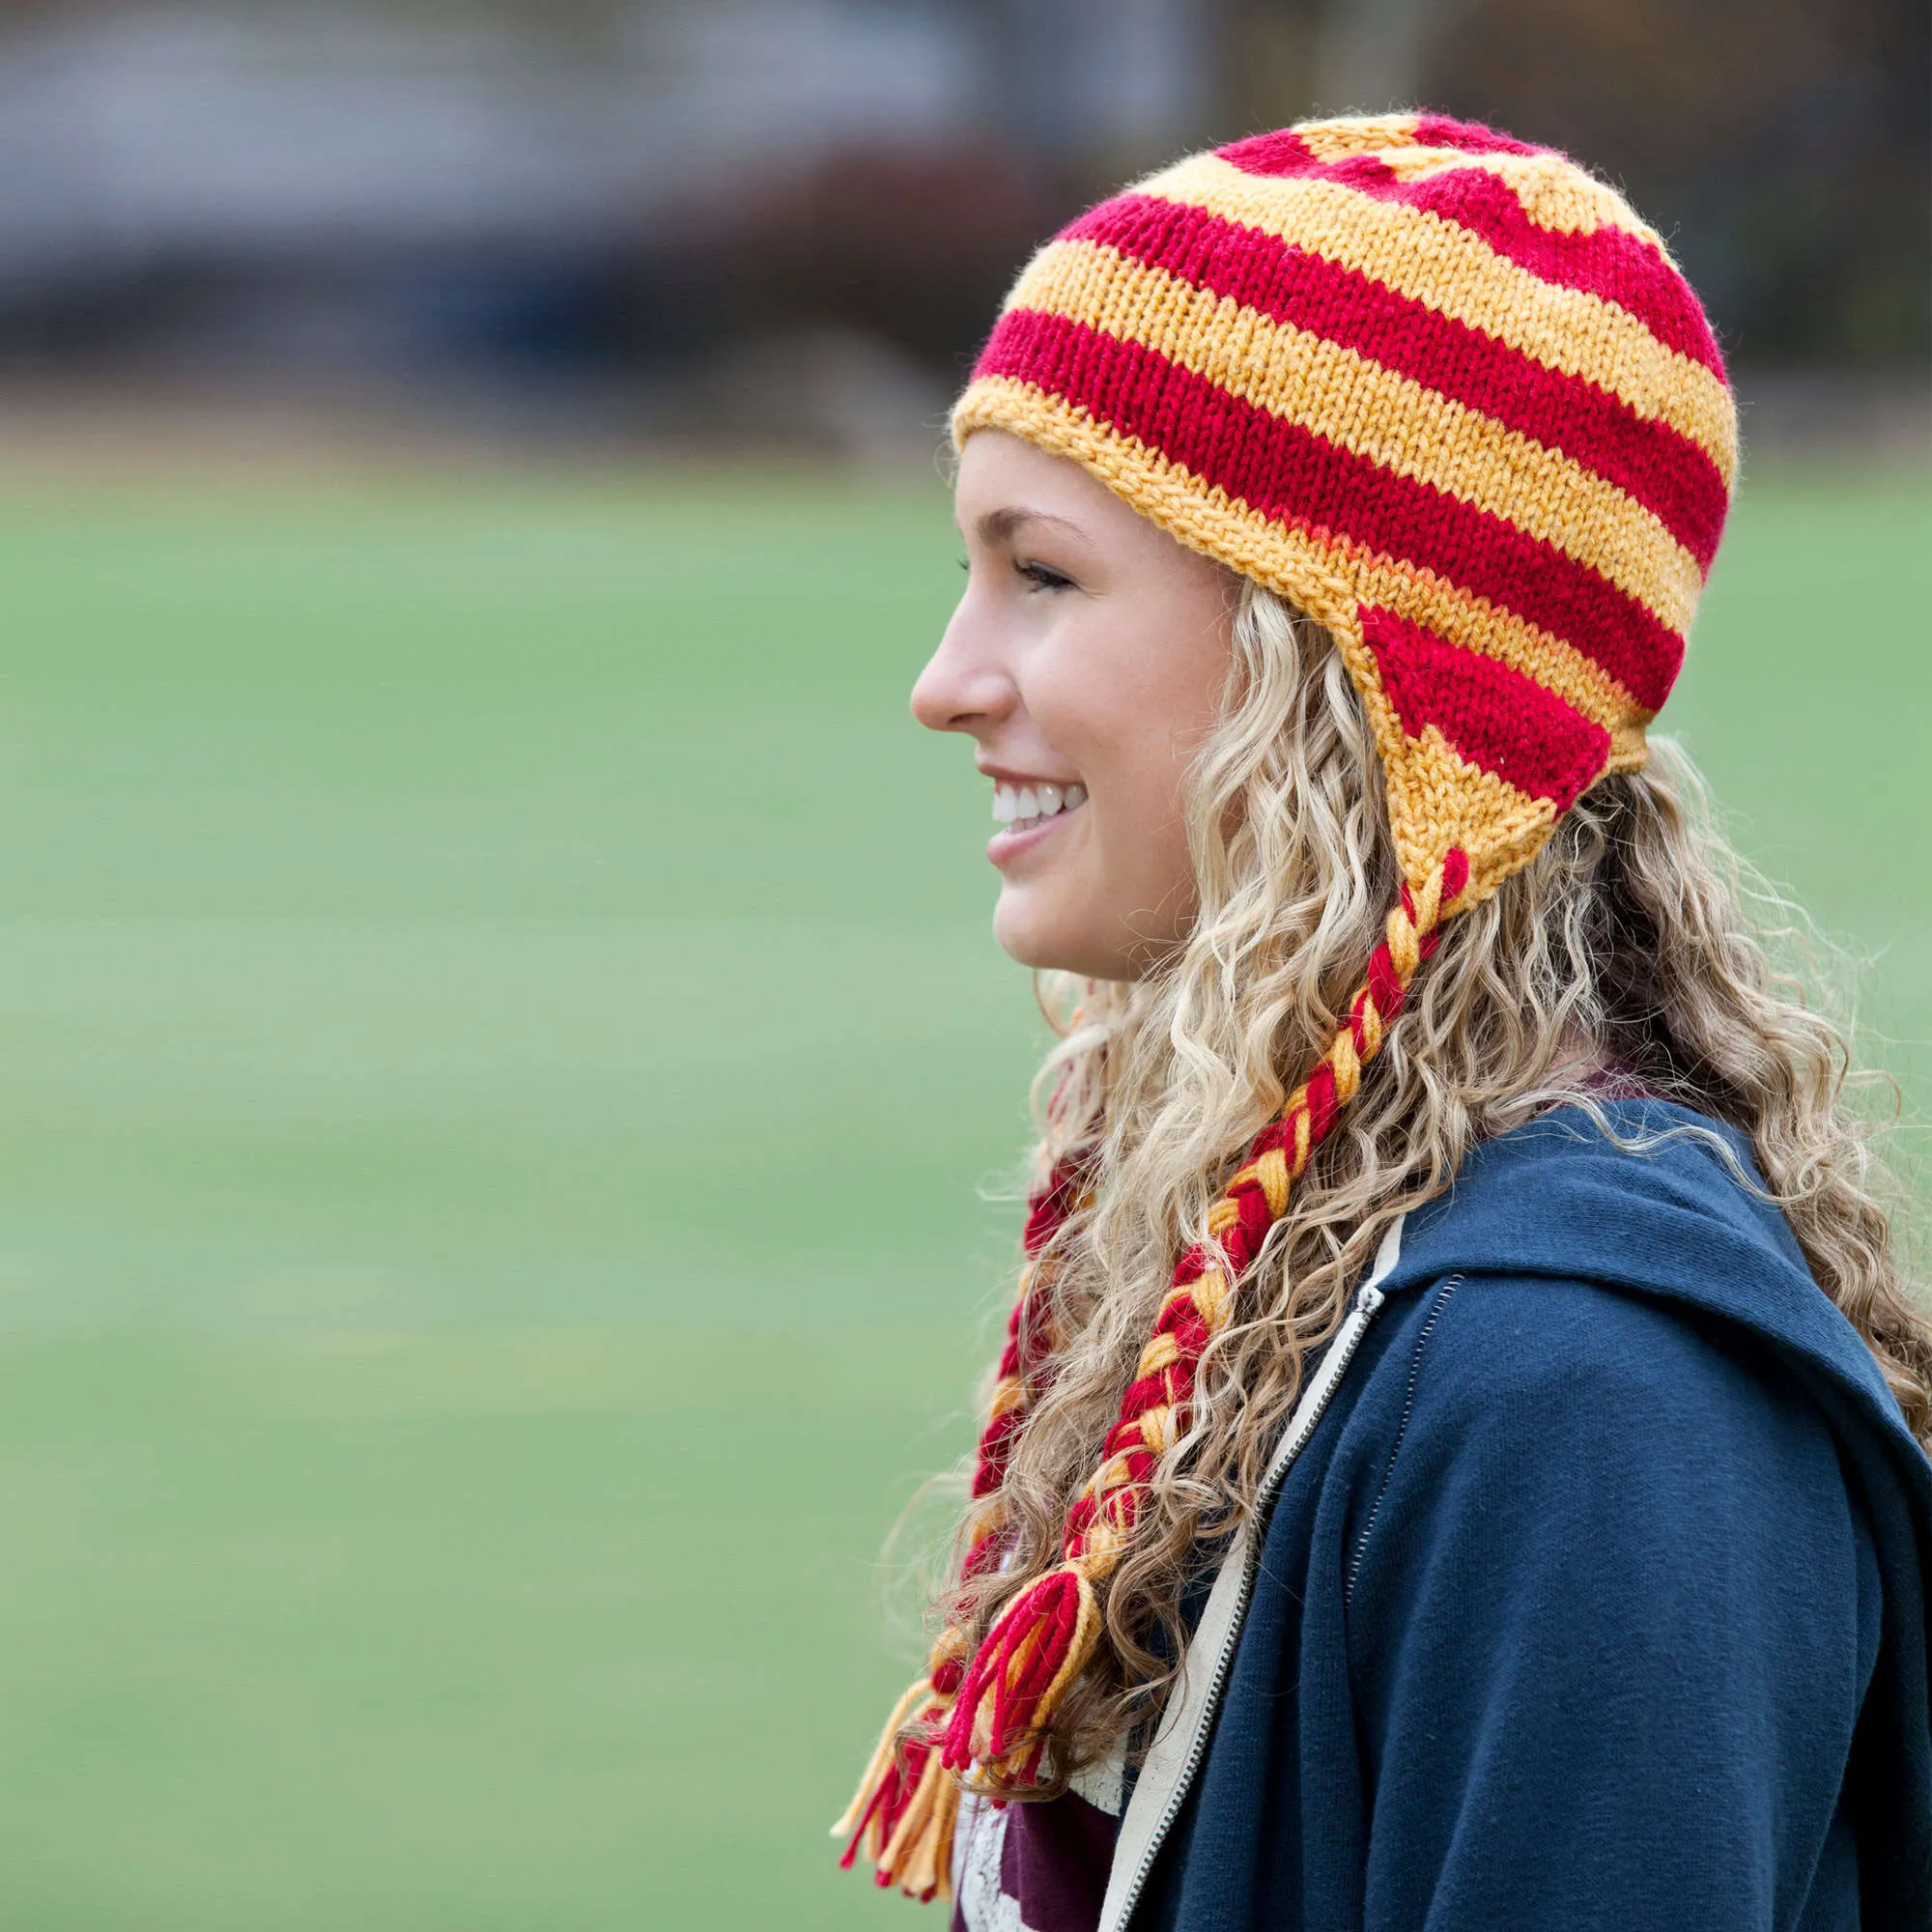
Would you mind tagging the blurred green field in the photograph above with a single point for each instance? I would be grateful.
(498, 1050)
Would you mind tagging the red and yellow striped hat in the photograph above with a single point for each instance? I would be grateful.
(1443, 390)
(1447, 394)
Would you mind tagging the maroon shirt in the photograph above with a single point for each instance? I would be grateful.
(1037, 1867)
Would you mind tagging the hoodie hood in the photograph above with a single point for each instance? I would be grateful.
(1660, 1216)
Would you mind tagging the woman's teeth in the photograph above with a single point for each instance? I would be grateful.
(1023, 806)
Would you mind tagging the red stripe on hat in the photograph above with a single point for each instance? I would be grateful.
(1469, 138)
(1493, 715)
(1651, 463)
(1608, 260)
(1283, 471)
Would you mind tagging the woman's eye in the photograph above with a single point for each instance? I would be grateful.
(1044, 577)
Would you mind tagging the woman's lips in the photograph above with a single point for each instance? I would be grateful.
(1009, 842)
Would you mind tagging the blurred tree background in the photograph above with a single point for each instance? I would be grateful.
(758, 222)
(1779, 146)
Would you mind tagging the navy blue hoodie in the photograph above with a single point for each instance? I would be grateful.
(1596, 1597)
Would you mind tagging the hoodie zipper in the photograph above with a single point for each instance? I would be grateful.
(1448, 1289)
(1348, 1338)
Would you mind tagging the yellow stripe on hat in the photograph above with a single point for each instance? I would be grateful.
(1454, 270)
(1443, 792)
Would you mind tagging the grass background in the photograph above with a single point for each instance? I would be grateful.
(498, 1044)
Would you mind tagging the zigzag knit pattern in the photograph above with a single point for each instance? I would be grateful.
(1450, 396)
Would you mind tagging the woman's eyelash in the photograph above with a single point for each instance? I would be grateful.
(1041, 575)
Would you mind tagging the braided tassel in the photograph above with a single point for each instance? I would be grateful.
(904, 1813)
(1041, 1640)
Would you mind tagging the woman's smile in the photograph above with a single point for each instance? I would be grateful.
(1029, 810)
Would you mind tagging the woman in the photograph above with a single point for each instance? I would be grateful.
(1458, 1457)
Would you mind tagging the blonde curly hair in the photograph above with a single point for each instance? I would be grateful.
(1637, 941)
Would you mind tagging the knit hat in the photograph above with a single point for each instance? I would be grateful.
(1447, 394)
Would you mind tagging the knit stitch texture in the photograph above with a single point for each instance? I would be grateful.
(1441, 389)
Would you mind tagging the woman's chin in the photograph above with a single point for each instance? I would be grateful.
(1044, 938)
(1031, 933)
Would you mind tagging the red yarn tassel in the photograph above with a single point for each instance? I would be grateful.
(1037, 1646)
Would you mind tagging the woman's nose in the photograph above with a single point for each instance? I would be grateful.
(962, 687)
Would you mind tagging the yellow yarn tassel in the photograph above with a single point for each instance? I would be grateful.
(880, 1762)
(917, 1858)
(903, 1815)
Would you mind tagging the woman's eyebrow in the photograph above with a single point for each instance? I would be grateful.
(997, 527)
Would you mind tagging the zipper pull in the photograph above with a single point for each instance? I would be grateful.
(1369, 1300)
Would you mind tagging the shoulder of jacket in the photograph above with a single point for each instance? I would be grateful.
(1517, 1357)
